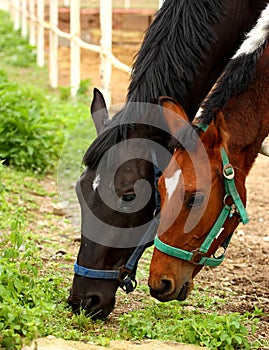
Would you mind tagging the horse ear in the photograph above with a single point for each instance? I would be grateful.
(221, 126)
(217, 134)
(98, 110)
(173, 113)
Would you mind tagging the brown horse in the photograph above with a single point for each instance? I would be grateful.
(203, 190)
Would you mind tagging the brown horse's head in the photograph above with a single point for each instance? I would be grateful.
(192, 195)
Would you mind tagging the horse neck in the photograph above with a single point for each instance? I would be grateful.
(247, 118)
(192, 66)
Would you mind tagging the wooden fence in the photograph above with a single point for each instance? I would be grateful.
(29, 17)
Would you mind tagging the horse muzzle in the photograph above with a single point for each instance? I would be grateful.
(166, 289)
(94, 297)
(92, 306)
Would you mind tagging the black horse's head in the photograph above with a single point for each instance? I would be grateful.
(117, 197)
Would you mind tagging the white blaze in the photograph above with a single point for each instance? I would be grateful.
(96, 182)
(171, 183)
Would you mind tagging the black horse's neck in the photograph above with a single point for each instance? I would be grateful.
(186, 48)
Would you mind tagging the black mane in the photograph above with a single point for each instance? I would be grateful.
(173, 48)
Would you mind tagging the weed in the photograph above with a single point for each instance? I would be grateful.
(173, 322)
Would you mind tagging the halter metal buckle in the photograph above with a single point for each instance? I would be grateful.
(228, 171)
(196, 256)
(127, 283)
(123, 273)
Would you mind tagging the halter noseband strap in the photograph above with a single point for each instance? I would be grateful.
(126, 273)
(198, 256)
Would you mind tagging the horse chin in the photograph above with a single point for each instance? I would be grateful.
(94, 311)
(95, 298)
(185, 291)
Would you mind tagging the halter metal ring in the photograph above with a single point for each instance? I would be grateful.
(225, 200)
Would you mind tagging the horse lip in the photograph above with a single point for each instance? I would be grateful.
(93, 313)
(184, 292)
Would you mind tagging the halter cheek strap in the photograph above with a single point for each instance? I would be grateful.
(198, 256)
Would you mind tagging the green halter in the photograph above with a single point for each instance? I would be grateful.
(198, 256)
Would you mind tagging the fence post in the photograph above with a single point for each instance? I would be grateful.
(161, 3)
(3, 5)
(74, 47)
(14, 9)
(106, 46)
(127, 4)
(24, 24)
(53, 44)
(40, 55)
(32, 26)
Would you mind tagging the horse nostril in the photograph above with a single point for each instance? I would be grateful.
(92, 306)
(165, 287)
(86, 304)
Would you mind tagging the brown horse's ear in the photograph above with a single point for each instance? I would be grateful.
(173, 113)
(217, 134)
(98, 111)
(221, 126)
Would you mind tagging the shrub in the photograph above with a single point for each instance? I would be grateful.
(29, 136)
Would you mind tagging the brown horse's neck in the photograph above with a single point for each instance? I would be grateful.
(247, 118)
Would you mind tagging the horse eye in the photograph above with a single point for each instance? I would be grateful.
(128, 197)
(195, 200)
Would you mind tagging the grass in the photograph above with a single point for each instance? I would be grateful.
(34, 280)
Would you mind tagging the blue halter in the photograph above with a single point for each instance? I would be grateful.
(125, 274)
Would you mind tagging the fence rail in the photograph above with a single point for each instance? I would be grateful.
(29, 17)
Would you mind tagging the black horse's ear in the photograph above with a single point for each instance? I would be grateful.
(98, 110)
(155, 101)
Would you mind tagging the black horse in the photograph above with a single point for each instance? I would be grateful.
(182, 55)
